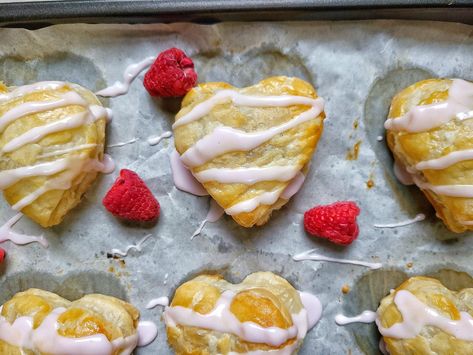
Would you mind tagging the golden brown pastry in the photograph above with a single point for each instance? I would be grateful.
(424, 317)
(250, 147)
(430, 133)
(41, 322)
(52, 138)
(209, 316)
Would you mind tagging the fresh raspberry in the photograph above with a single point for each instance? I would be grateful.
(129, 198)
(171, 75)
(2, 255)
(335, 222)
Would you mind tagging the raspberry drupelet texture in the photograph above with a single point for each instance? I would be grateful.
(129, 198)
(335, 222)
(171, 75)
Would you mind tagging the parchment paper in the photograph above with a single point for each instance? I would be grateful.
(356, 66)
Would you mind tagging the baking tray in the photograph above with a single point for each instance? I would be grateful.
(211, 11)
(236, 252)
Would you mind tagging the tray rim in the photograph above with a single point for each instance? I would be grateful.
(40, 14)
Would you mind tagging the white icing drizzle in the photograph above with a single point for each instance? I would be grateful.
(45, 338)
(27, 89)
(70, 167)
(226, 139)
(425, 117)
(446, 160)
(138, 246)
(248, 176)
(379, 138)
(214, 214)
(221, 319)
(364, 317)
(418, 218)
(311, 255)
(416, 315)
(157, 139)
(131, 72)
(67, 150)
(121, 144)
(160, 301)
(238, 99)
(30, 107)
(6, 233)
(183, 178)
(64, 181)
(265, 198)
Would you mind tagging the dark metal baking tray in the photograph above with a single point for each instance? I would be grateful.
(37, 14)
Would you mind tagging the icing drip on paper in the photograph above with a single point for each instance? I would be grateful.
(402, 174)
(45, 338)
(214, 214)
(183, 178)
(131, 72)
(221, 319)
(311, 255)
(160, 301)
(418, 218)
(157, 139)
(6, 233)
(138, 246)
(416, 315)
(121, 144)
(364, 317)
(147, 331)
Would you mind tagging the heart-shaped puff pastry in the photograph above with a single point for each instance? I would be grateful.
(41, 322)
(430, 132)
(423, 317)
(250, 147)
(264, 313)
(52, 138)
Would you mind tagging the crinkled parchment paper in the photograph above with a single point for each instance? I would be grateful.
(356, 66)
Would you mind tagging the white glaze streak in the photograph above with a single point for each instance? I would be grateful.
(238, 99)
(131, 72)
(247, 176)
(160, 301)
(417, 315)
(364, 317)
(6, 233)
(136, 246)
(27, 89)
(425, 117)
(311, 255)
(157, 139)
(226, 139)
(446, 160)
(265, 198)
(32, 107)
(67, 150)
(418, 218)
(121, 144)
